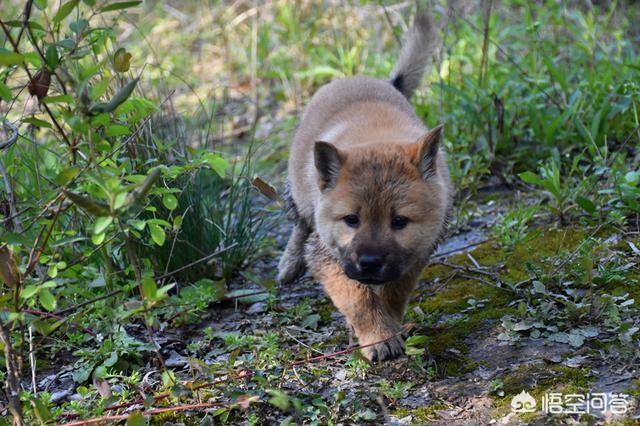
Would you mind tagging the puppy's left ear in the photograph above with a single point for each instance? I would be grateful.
(427, 152)
(328, 161)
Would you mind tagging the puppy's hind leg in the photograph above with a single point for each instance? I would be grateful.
(292, 265)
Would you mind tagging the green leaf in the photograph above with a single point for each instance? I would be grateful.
(51, 57)
(97, 239)
(576, 340)
(46, 326)
(120, 5)
(29, 291)
(8, 58)
(417, 340)
(267, 283)
(79, 26)
(65, 10)
(250, 298)
(92, 207)
(136, 419)
(162, 291)
(138, 224)
(122, 95)
(52, 272)
(177, 222)
(279, 399)
(5, 92)
(119, 200)
(216, 162)
(110, 361)
(32, 58)
(37, 122)
(530, 177)
(586, 204)
(149, 288)
(47, 300)
(117, 130)
(65, 176)
(41, 410)
(99, 89)
(170, 201)
(101, 224)
(311, 321)
(157, 234)
(59, 99)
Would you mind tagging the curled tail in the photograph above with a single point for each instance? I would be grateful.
(416, 54)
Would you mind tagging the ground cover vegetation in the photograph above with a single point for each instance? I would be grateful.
(143, 152)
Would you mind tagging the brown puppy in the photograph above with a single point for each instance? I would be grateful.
(371, 192)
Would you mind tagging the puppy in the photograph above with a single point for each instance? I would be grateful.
(370, 190)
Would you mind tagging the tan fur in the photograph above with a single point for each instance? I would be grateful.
(378, 162)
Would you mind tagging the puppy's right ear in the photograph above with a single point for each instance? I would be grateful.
(328, 161)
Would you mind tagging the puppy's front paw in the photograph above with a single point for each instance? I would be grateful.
(290, 269)
(390, 349)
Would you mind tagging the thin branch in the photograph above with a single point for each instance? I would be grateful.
(203, 259)
(88, 302)
(12, 377)
(460, 249)
(109, 419)
(396, 36)
(241, 375)
(33, 260)
(60, 318)
(405, 328)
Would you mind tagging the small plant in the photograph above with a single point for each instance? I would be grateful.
(496, 386)
(568, 299)
(564, 191)
(395, 391)
(513, 227)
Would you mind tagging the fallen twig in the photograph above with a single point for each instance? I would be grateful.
(59, 317)
(405, 328)
(105, 419)
(202, 259)
(460, 249)
(241, 375)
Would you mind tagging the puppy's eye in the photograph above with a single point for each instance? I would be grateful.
(399, 222)
(352, 220)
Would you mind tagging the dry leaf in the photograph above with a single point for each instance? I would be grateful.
(266, 189)
(8, 268)
(39, 85)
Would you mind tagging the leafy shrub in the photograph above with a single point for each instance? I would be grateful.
(95, 203)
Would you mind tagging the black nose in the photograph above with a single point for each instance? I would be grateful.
(370, 263)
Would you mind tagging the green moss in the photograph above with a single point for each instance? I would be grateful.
(421, 415)
(178, 418)
(453, 298)
(537, 380)
(634, 388)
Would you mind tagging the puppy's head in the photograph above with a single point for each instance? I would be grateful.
(382, 206)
